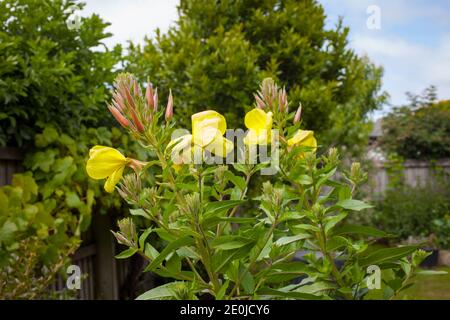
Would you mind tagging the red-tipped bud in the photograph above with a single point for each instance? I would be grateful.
(129, 98)
(282, 97)
(119, 117)
(169, 108)
(298, 114)
(259, 103)
(119, 102)
(149, 96)
(155, 100)
(137, 90)
(137, 123)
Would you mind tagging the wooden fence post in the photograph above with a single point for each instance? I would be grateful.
(107, 287)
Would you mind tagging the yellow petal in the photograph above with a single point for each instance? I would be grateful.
(182, 150)
(220, 146)
(254, 137)
(103, 161)
(205, 136)
(258, 119)
(208, 118)
(113, 179)
(300, 136)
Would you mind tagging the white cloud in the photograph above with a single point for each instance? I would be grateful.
(408, 66)
(133, 19)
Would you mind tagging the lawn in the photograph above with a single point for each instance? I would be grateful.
(429, 287)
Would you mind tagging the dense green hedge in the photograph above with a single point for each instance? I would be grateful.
(48, 73)
(216, 54)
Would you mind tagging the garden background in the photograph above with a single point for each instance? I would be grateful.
(56, 77)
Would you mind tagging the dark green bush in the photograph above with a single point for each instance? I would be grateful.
(48, 73)
(420, 130)
(413, 211)
(218, 52)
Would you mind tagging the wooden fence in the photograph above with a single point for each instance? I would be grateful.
(415, 173)
(102, 274)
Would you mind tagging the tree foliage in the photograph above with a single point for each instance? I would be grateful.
(217, 53)
(419, 130)
(48, 73)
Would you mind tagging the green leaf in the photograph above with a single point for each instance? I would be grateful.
(223, 290)
(355, 205)
(286, 240)
(217, 207)
(287, 294)
(126, 253)
(150, 251)
(180, 242)
(331, 221)
(230, 242)
(356, 229)
(432, 272)
(174, 264)
(144, 237)
(139, 212)
(73, 200)
(237, 180)
(386, 255)
(165, 291)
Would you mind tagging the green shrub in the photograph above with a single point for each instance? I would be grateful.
(414, 211)
(48, 73)
(420, 130)
(218, 52)
(44, 211)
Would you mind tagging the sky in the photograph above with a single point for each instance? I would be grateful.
(409, 38)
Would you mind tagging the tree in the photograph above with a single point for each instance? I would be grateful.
(217, 53)
(50, 74)
(420, 129)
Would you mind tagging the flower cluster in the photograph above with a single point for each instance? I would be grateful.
(139, 114)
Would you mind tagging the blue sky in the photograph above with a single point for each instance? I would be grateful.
(413, 43)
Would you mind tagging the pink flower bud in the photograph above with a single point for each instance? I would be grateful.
(260, 104)
(155, 100)
(298, 114)
(138, 124)
(119, 117)
(169, 108)
(137, 90)
(129, 98)
(149, 96)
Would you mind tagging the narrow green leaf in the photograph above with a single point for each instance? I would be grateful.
(126, 253)
(180, 242)
(165, 291)
(355, 205)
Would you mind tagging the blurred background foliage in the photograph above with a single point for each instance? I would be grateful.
(217, 53)
(48, 73)
(419, 130)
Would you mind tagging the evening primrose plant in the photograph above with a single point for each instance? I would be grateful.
(192, 219)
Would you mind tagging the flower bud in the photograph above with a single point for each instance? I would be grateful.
(155, 100)
(298, 114)
(259, 103)
(119, 117)
(169, 108)
(149, 96)
(137, 123)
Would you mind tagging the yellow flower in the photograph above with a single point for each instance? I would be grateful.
(106, 162)
(303, 138)
(259, 124)
(208, 128)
